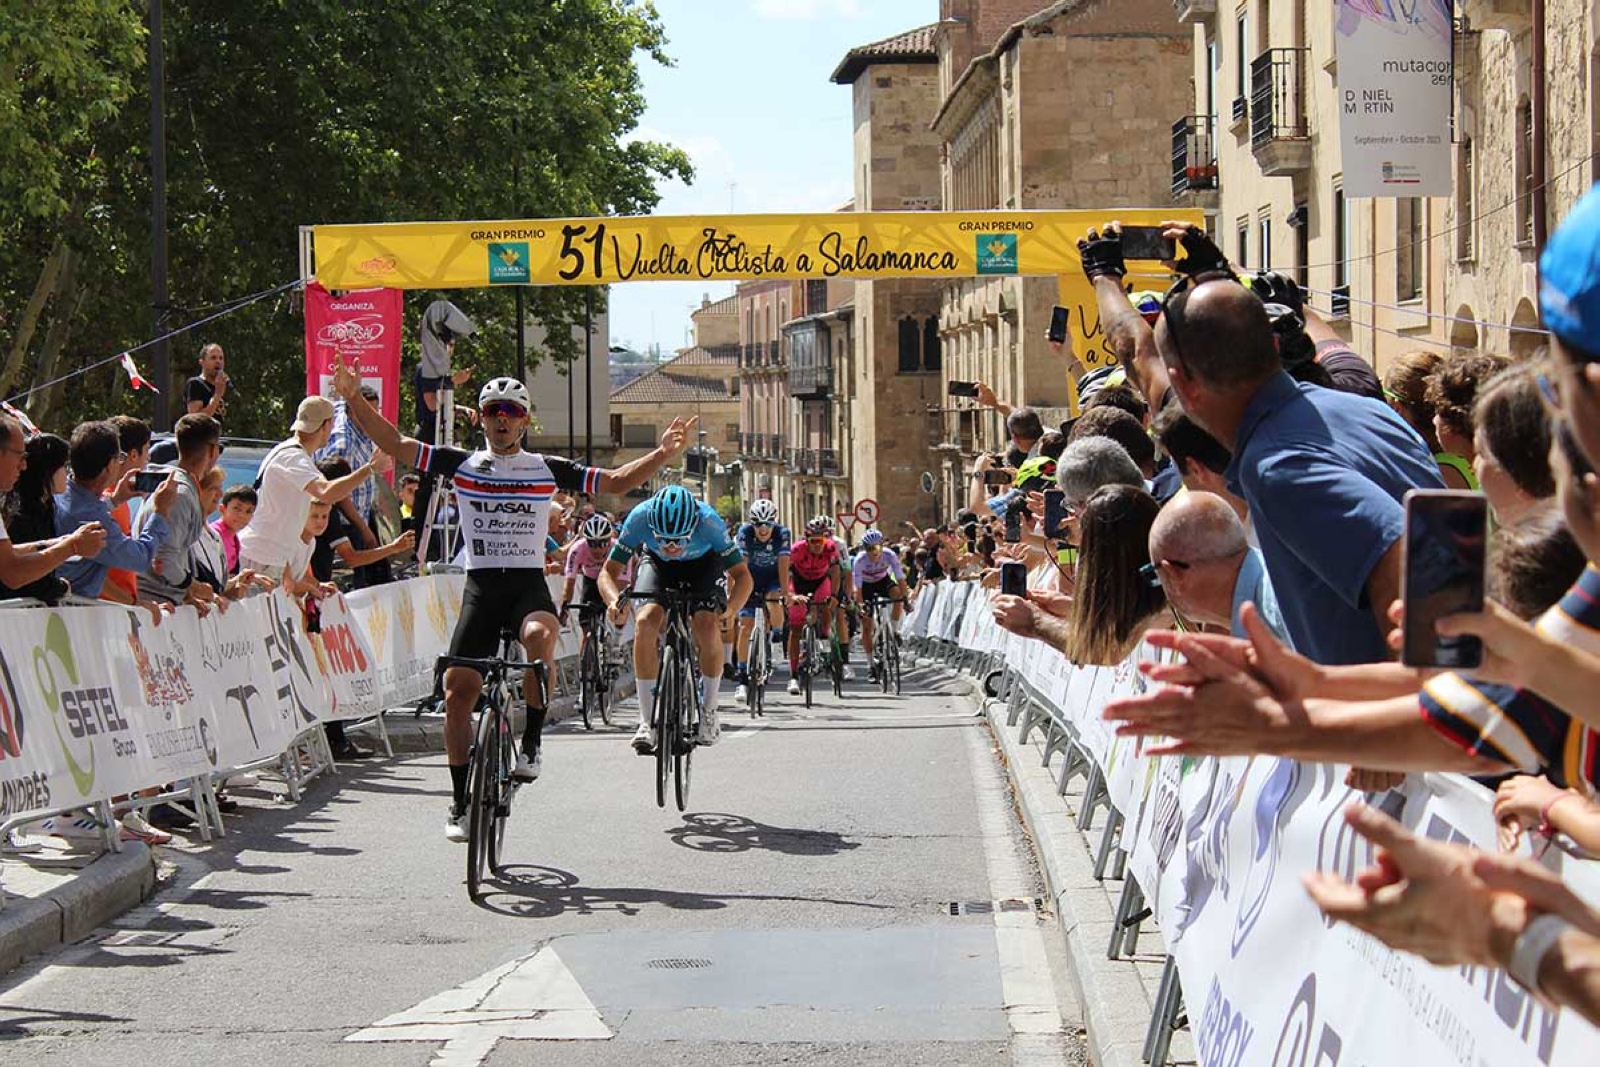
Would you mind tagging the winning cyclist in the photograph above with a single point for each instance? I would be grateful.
(877, 576)
(813, 576)
(765, 545)
(682, 544)
(504, 495)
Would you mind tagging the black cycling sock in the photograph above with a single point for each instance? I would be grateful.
(531, 731)
(458, 783)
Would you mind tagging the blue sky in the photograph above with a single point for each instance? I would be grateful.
(750, 101)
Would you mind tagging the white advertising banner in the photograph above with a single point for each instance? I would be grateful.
(408, 626)
(345, 657)
(1394, 84)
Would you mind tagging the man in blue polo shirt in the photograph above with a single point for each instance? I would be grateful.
(1323, 472)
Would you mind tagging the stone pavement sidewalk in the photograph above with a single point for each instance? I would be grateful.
(55, 897)
(1117, 995)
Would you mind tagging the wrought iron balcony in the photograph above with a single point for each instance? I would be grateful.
(828, 463)
(1192, 11)
(774, 354)
(1194, 155)
(1280, 125)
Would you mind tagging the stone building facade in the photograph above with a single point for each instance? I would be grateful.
(762, 309)
(1061, 106)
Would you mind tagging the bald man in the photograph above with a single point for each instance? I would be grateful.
(1207, 568)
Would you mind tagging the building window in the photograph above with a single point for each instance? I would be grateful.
(638, 434)
(816, 296)
(1213, 64)
(1524, 163)
(1302, 244)
(730, 433)
(1341, 254)
(616, 429)
(1264, 229)
(931, 358)
(1466, 202)
(1242, 242)
(1241, 66)
(909, 341)
(1408, 216)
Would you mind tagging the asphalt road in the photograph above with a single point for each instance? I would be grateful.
(801, 911)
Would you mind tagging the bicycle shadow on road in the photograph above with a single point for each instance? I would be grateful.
(720, 832)
(530, 892)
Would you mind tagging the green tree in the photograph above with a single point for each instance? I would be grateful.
(288, 113)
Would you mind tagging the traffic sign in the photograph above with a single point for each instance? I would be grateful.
(846, 520)
(867, 511)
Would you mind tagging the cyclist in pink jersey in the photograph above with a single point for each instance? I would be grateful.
(813, 578)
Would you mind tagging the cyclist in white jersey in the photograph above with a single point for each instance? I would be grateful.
(504, 493)
(877, 575)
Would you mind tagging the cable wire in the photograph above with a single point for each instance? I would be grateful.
(237, 305)
(1432, 314)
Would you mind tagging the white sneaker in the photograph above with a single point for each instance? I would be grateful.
(242, 780)
(644, 740)
(741, 695)
(794, 687)
(455, 825)
(135, 827)
(710, 727)
(76, 828)
(849, 675)
(527, 770)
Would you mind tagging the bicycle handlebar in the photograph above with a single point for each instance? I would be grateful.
(494, 664)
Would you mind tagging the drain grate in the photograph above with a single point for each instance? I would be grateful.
(677, 964)
(989, 907)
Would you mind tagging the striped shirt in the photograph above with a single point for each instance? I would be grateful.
(1519, 727)
(348, 442)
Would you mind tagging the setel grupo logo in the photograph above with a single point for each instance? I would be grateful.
(85, 710)
(997, 253)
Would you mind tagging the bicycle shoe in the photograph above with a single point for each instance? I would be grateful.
(710, 728)
(455, 825)
(644, 740)
(794, 687)
(527, 769)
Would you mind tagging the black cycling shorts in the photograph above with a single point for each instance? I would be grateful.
(497, 598)
(802, 586)
(586, 596)
(702, 578)
(882, 589)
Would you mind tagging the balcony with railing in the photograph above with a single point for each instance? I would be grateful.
(774, 354)
(1192, 11)
(1194, 160)
(828, 462)
(810, 360)
(1280, 121)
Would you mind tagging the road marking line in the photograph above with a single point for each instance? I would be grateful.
(1038, 1037)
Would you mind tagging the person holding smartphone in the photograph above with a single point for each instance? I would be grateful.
(170, 579)
(95, 456)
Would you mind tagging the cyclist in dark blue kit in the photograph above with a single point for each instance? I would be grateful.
(765, 545)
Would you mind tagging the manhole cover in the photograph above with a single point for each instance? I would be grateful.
(678, 964)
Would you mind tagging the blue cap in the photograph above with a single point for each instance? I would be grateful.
(1569, 271)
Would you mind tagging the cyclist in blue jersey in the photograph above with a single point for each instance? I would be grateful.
(877, 575)
(765, 545)
(682, 545)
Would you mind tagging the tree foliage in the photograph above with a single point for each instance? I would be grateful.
(283, 113)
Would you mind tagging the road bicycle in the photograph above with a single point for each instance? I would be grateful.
(491, 786)
(676, 711)
(758, 661)
(812, 661)
(598, 668)
(885, 642)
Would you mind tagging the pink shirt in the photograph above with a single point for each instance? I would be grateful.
(230, 545)
(580, 560)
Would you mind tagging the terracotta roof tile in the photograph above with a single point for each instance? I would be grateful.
(664, 387)
(912, 46)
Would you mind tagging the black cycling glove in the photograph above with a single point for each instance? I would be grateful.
(1102, 255)
(1201, 256)
(1274, 287)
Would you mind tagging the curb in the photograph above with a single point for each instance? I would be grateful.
(425, 733)
(113, 884)
(1115, 996)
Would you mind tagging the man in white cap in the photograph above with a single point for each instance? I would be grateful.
(287, 484)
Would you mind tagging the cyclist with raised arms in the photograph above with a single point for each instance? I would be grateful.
(765, 545)
(503, 492)
(877, 575)
(813, 578)
(682, 545)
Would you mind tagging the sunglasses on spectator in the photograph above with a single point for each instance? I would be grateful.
(503, 409)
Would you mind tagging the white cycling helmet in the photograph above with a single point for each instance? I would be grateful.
(596, 528)
(504, 389)
(764, 513)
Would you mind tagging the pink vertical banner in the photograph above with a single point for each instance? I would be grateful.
(364, 326)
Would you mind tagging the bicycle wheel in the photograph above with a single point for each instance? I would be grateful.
(588, 677)
(891, 649)
(608, 673)
(500, 791)
(808, 660)
(687, 730)
(480, 796)
(755, 668)
(836, 667)
(665, 720)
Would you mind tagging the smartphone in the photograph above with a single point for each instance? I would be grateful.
(962, 389)
(149, 479)
(1014, 523)
(1057, 334)
(998, 477)
(1014, 579)
(1447, 536)
(1146, 242)
(1055, 514)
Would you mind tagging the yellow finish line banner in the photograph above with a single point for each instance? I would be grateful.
(901, 244)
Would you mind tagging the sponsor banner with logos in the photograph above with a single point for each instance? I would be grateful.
(408, 626)
(232, 662)
(345, 658)
(364, 327)
(1218, 847)
(603, 251)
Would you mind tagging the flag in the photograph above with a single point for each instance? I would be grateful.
(135, 379)
(28, 428)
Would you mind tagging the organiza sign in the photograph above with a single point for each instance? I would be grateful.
(604, 251)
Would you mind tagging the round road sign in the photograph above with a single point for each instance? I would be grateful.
(867, 511)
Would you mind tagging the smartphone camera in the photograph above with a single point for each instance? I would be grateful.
(1014, 523)
(969, 389)
(1445, 549)
(1057, 334)
(1014, 579)
(149, 480)
(1146, 242)
(1055, 514)
(993, 478)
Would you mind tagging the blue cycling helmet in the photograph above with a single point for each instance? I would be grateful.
(870, 538)
(674, 513)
